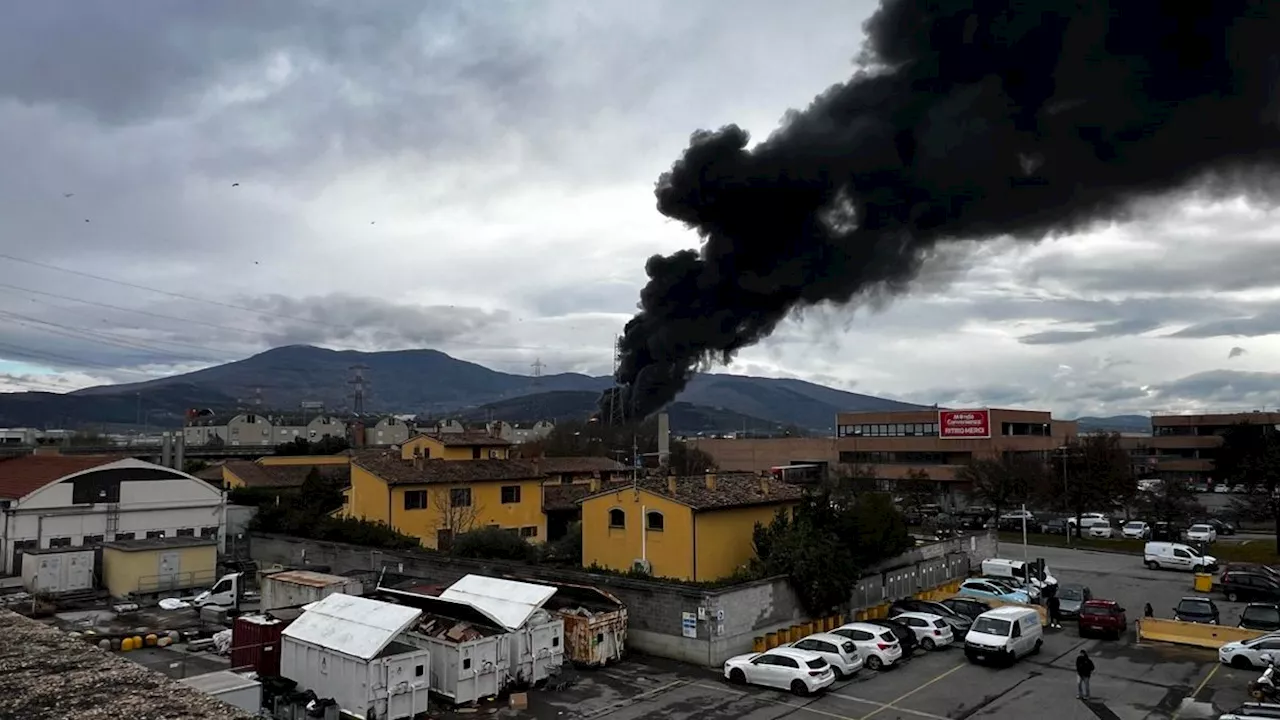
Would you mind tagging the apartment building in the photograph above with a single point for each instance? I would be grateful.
(1183, 446)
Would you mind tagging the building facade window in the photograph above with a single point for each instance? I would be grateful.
(460, 497)
(155, 534)
(1025, 429)
(91, 540)
(415, 499)
(510, 494)
(654, 521)
(186, 532)
(929, 429)
(617, 518)
(59, 542)
(124, 536)
(884, 457)
(209, 532)
(529, 531)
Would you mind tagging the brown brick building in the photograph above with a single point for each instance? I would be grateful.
(895, 443)
(1183, 446)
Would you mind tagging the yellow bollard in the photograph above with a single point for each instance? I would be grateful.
(770, 640)
(839, 619)
(797, 632)
(757, 644)
(784, 636)
(126, 645)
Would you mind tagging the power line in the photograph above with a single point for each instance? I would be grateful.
(98, 336)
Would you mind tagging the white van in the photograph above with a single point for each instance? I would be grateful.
(1016, 570)
(1004, 635)
(1177, 556)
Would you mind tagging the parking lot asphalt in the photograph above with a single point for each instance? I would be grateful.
(1132, 681)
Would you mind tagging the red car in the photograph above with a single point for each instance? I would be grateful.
(1104, 617)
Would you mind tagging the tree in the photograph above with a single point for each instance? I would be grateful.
(597, 439)
(320, 493)
(1002, 481)
(825, 543)
(1170, 501)
(493, 543)
(567, 550)
(327, 445)
(917, 489)
(1099, 474)
(455, 512)
(1250, 456)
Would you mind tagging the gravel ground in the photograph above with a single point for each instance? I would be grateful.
(47, 675)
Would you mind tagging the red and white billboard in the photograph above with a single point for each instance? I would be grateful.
(964, 424)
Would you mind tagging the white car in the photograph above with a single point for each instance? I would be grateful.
(1222, 488)
(1097, 528)
(1136, 530)
(837, 650)
(785, 668)
(877, 646)
(932, 632)
(1019, 515)
(1245, 654)
(1202, 533)
(1085, 518)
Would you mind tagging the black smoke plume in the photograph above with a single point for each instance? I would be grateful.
(966, 120)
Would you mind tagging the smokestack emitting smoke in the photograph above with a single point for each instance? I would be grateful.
(968, 120)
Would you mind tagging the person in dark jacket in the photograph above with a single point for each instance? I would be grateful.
(1084, 668)
(1147, 611)
(1055, 611)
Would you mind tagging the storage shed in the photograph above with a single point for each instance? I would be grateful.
(154, 566)
(595, 624)
(537, 636)
(349, 649)
(231, 688)
(470, 651)
(57, 570)
(293, 588)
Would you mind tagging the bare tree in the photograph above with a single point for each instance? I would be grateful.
(456, 512)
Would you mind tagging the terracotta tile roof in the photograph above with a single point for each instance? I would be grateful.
(21, 476)
(470, 438)
(579, 465)
(564, 497)
(279, 476)
(212, 473)
(395, 471)
(731, 491)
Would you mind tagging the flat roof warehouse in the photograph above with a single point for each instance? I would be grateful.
(49, 675)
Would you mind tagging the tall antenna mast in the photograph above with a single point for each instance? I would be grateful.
(536, 385)
(357, 382)
(616, 415)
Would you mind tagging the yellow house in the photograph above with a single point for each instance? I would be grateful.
(246, 474)
(307, 460)
(456, 446)
(437, 499)
(688, 528)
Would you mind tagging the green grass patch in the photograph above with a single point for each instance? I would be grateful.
(1251, 551)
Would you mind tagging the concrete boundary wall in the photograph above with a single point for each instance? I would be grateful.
(679, 622)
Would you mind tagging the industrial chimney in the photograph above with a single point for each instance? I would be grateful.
(664, 439)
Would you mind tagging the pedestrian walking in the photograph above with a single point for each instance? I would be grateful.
(1148, 612)
(1055, 612)
(1084, 669)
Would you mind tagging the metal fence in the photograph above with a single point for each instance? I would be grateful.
(153, 584)
(908, 580)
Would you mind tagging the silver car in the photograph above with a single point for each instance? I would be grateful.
(1070, 597)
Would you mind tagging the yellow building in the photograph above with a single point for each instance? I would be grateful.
(132, 568)
(246, 474)
(456, 446)
(307, 460)
(688, 528)
(437, 499)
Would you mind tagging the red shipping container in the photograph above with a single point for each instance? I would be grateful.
(255, 644)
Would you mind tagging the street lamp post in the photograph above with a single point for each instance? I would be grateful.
(1066, 495)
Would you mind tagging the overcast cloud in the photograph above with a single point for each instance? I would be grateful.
(223, 177)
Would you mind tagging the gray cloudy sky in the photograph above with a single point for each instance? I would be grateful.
(477, 177)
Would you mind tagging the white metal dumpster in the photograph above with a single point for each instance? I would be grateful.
(537, 642)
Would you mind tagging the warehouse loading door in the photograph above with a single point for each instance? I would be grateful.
(79, 572)
(169, 566)
(47, 574)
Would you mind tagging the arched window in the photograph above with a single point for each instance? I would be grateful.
(653, 520)
(617, 518)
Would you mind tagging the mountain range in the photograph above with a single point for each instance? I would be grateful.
(432, 384)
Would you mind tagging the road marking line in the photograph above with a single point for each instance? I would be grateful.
(883, 706)
(771, 701)
(1196, 692)
(893, 703)
(841, 696)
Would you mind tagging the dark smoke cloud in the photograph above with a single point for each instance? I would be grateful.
(969, 120)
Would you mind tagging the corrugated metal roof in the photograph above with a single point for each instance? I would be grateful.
(351, 625)
(507, 601)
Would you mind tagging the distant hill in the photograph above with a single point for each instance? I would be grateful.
(427, 382)
(1115, 423)
(686, 418)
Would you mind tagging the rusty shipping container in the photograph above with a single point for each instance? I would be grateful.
(595, 623)
(255, 643)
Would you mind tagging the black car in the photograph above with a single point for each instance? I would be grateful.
(958, 623)
(1197, 610)
(1261, 616)
(1249, 585)
(966, 606)
(906, 636)
(1222, 527)
(1056, 526)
